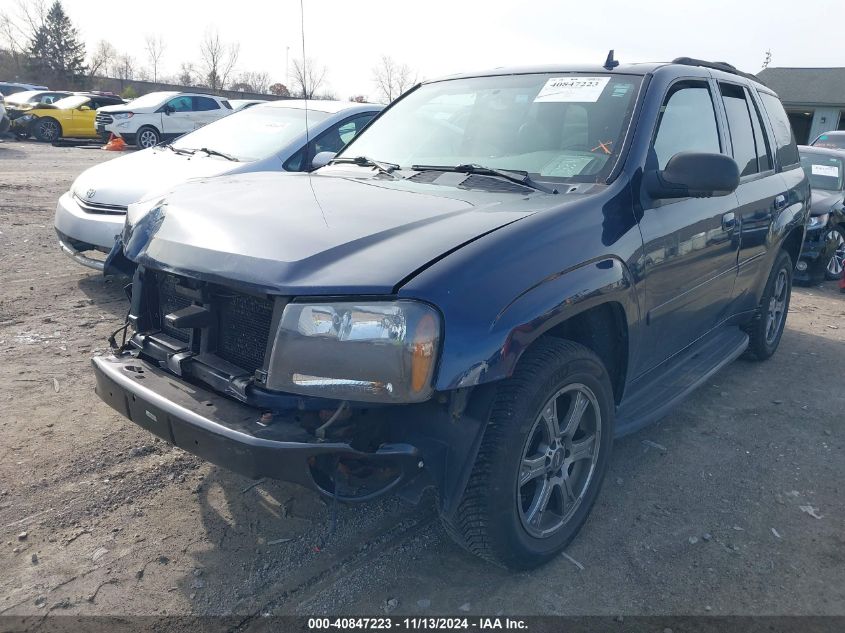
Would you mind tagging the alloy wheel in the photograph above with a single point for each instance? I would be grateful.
(49, 130)
(147, 139)
(777, 307)
(559, 460)
(837, 260)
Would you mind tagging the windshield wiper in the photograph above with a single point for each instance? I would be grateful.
(178, 150)
(214, 152)
(514, 175)
(365, 161)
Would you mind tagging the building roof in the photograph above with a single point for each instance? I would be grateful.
(806, 86)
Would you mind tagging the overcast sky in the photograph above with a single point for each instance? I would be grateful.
(438, 37)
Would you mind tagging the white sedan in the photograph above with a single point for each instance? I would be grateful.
(265, 137)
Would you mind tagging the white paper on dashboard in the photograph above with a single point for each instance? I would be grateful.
(826, 170)
(572, 90)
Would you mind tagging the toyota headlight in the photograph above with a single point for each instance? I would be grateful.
(817, 221)
(364, 351)
(123, 115)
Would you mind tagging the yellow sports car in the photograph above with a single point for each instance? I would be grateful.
(71, 117)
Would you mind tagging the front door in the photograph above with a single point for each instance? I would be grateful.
(690, 244)
(177, 117)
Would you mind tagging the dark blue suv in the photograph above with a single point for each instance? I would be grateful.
(500, 275)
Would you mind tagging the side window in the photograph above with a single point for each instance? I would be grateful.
(181, 104)
(687, 122)
(761, 142)
(332, 140)
(787, 151)
(739, 125)
(204, 104)
(350, 129)
(227, 105)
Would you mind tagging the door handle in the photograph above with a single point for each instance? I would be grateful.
(729, 221)
(780, 201)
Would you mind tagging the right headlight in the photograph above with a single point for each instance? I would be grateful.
(123, 115)
(369, 351)
(817, 221)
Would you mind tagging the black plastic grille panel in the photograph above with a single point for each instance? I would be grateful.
(243, 330)
(170, 301)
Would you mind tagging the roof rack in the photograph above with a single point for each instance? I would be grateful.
(723, 66)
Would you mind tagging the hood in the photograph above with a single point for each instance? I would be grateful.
(324, 234)
(823, 200)
(127, 179)
(127, 107)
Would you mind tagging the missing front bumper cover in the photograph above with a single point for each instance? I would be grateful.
(227, 433)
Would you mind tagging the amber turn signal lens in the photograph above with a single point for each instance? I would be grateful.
(422, 353)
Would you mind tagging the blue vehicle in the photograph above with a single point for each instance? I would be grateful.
(500, 275)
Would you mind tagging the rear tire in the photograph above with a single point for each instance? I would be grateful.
(147, 137)
(47, 130)
(833, 268)
(766, 330)
(542, 460)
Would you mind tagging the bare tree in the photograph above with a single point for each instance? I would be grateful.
(18, 28)
(123, 67)
(187, 74)
(102, 59)
(767, 59)
(253, 82)
(392, 78)
(155, 49)
(280, 90)
(307, 78)
(218, 59)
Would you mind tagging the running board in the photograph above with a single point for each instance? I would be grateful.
(663, 388)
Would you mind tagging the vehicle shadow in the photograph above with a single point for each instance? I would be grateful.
(709, 470)
(106, 293)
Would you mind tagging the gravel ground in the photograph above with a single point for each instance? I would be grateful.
(733, 504)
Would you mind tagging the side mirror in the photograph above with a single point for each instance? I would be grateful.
(322, 159)
(693, 175)
(84, 107)
(168, 109)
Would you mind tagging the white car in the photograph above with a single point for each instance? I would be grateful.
(243, 104)
(4, 119)
(160, 116)
(266, 137)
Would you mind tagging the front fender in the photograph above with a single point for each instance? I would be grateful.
(534, 312)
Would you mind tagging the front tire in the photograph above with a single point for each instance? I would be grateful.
(767, 327)
(834, 266)
(47, 130)
(147, 137)
(542, 460)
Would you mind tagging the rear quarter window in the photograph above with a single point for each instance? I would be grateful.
(787, 150)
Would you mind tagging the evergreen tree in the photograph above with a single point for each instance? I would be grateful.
(56, 53)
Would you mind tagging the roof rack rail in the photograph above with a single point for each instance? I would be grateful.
(723, 66)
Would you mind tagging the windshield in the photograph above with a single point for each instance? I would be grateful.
(552, 126)
(833, 141)
(71, 102)
(824, 172)
(253, 133)
(152, 99)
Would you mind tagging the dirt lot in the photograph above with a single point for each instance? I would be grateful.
(734, 504)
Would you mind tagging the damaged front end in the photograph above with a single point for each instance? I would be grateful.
(195, 373)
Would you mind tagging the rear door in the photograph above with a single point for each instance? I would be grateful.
(206, 110)
(761, 189)
(690, 244)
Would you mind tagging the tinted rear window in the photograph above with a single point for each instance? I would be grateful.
(787, 150)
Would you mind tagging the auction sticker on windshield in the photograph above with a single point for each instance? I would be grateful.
(826, 170)
(572, 90)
